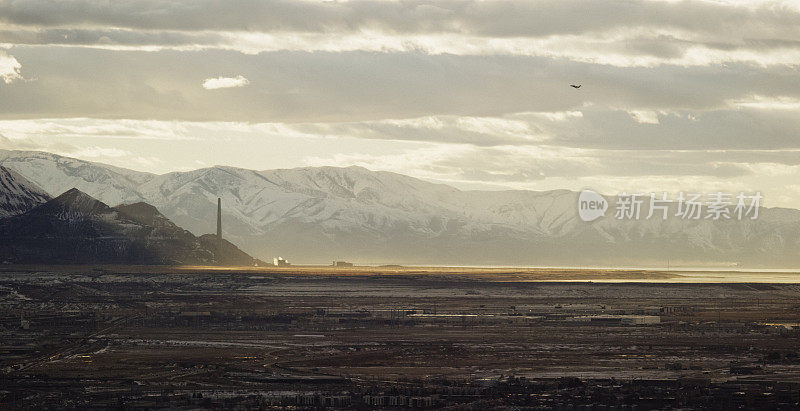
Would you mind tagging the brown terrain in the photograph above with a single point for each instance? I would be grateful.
(408, 337)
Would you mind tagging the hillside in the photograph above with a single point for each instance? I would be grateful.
(17, 194)
(75, 228)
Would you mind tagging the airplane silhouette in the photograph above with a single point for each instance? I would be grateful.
(574, 86)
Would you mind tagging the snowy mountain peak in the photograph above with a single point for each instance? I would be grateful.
(17, 194)
(57, 174)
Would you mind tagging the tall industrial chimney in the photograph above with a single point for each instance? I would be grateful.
(219, 220)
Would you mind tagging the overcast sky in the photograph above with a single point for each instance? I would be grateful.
(676, 95)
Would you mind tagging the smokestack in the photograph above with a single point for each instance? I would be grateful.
(219, 220)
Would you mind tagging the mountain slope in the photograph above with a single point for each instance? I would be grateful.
(316, 214)
(17, 194)
(57, 174)
(76, 228)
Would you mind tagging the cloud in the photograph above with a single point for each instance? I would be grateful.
(538, 166)
(724, 129)
(520, 166)
(630, 33)
(68, 128)
(511, 18)
(635, 47)
(482, 131)
(100, 152)
(109, 37)
(225, 82)
(478, 100)
(360, 86)
(9, 68)
(32, 144)
(465, 91)
(768, 103)
(644, 117)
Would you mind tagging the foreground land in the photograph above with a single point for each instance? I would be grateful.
(386, 337)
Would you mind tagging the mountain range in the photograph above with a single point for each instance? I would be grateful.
(75, 228)
(317, 214)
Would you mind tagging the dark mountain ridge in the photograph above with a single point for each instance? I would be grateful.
(75, 228)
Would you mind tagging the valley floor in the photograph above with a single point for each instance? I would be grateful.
(359, 338)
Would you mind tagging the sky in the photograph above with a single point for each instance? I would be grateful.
(687, 95)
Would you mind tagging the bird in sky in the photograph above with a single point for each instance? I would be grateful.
(574, 86)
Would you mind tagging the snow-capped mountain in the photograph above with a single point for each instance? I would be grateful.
(17, 194)
(57, 174)
(316, 214)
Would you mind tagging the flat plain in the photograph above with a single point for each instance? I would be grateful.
(415, 337)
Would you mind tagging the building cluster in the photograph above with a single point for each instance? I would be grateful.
(280, 262)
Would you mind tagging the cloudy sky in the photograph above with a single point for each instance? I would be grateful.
(693, 95)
